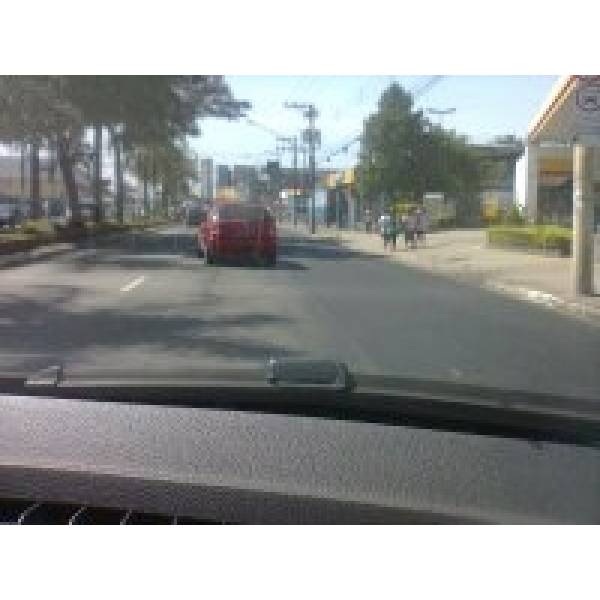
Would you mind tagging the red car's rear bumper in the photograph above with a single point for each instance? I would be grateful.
(240, 247)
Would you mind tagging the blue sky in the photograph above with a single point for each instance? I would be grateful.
(485, 106)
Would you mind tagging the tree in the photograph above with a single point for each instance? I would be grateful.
(155, 110)
(32, 109)
(403, 155)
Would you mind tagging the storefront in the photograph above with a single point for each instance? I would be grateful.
(342, 208)
(563, 159)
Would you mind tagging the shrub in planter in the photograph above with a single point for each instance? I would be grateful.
(38, 227)
(538, 237)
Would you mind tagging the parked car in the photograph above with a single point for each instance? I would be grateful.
(238, 230)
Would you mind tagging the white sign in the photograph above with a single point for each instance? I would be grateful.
(433, 197)
(587, 105)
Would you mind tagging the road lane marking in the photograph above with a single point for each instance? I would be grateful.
(133, 284)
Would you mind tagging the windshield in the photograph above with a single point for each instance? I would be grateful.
(422, 226)
(241, 212)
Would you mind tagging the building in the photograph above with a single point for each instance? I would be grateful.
(245, 179)
(15, 178)
(224, 178)
(342, 206)
(500, 165)
(554, 175)
(207, 185)
(562, 167)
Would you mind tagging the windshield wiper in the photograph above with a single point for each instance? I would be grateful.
(327, 389)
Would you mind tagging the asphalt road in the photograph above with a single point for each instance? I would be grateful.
(147, 303)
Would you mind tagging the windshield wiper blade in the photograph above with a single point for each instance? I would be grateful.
(49, 377)
(327, 389)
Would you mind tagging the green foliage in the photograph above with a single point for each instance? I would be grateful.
(151, 115)
(538, 237)
(403, 208)
(38, 227)
(514, 216)
(404, 155)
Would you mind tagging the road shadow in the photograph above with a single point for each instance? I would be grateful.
(149, 242)
(152, 250)
(320, 248)
(282, 264)
(51, 324)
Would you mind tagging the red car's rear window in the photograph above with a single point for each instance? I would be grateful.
(242, 212)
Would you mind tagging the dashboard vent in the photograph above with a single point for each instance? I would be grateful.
(28, 512)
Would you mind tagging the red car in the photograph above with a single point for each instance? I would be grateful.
(238, 230)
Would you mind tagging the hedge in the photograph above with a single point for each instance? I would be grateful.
(39, 233)
(539, 237)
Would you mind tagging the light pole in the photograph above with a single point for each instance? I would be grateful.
(441, 113)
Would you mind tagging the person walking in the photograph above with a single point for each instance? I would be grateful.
(368, 221)
(386, 229)
(410, 226)
(391, 232)
(422, 224)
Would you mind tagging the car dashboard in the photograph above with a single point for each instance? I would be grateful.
(188, 464)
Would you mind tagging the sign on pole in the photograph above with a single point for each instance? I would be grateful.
(587, 105)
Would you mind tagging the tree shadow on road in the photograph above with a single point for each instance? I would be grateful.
(149, 250)
(58, 327)
(322, 249)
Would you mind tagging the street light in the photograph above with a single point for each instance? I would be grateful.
(441, 113)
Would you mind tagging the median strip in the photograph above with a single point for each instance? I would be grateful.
(133, 284)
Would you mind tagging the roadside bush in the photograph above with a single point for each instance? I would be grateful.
(513, 216)
(403, 208)
(537, 237)
(38, 227)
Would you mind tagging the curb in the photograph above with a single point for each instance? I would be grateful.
(37, 254)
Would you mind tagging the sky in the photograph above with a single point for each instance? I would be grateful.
(486, 106)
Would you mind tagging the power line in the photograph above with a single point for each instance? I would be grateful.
(357, 137)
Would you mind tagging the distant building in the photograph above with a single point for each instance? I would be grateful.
(245, 178)
(224, 178)
(207, 185)
(15, 178)
(499, 185)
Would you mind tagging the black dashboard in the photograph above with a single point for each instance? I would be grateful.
(235, 466)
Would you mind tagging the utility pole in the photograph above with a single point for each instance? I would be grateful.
(294, 146)
(311, 136)
(304, 179)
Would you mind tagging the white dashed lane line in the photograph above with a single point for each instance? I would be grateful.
(133, 284)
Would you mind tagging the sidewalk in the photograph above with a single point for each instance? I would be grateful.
(464, 254)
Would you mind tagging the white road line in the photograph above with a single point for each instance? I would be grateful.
(133, 284)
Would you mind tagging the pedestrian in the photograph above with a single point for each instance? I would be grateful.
(389, 232)
(410, 225)
(369, 221)
(381, 222)
(385, 229)
(422, 224)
